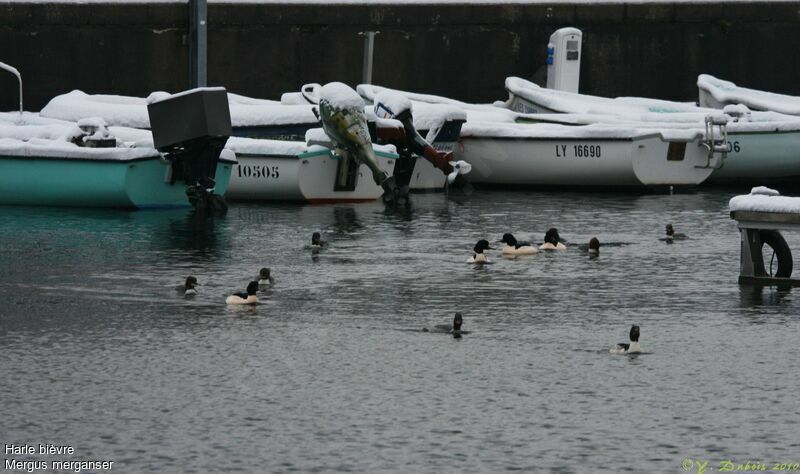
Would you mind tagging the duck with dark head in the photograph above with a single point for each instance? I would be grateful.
(246, 297)
(552, 241)
(512, 246)
(594, 247)
(478, 256)
(189, 288)
(454, 329)
(631, 347)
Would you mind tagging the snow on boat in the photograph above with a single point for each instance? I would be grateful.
(716, 93)
(296, 171)
(503, 149)
(47, 163)
(254, 118)
(761, 146)
(288, 120)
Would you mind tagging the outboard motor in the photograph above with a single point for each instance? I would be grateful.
(341, 110)
(190, 129)
(408, 141)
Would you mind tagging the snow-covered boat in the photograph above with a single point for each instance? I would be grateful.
(47, 163)
(282, 170)
(504, 150)
(761, 146)
(716, 93)
(287, 120)
(552, 154)
(296, 171)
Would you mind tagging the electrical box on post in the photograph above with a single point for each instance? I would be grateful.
(564, 60)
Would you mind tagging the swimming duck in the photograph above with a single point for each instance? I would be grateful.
(245, 298)
(552, 241)
(479, 256)
(513, 247)
(671, 235)
(188, 288)
(594, 247)
(265, 278)
(629, 348)
(454, 329)
(316, 241)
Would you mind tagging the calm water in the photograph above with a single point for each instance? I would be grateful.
(99, 352)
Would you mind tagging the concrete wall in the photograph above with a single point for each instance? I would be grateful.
(464, 51)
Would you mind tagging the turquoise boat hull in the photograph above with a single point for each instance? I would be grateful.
(760, 156)
(139, 183)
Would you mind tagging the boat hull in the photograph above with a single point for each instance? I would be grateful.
(305, 177)
(759, 157)
(638, 161)
(140, 183)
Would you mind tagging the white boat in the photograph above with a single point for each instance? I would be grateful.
(504, 151)
(280, 170)
(294, 171)
(716, 93)
(761, 146)
(550, 154)
(250, 118)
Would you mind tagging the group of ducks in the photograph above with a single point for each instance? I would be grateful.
(552, 241)
(248, 296)
(263, 281)
(513, 247)
(631, 347)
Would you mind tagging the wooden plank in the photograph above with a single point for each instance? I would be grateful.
(766, 217)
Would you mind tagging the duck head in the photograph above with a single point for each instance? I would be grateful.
(315, 238)
(264, 273)
(509, 239)
(191, 282)
(634, 333)
(482, 245)
(670, 231)
(252, 288)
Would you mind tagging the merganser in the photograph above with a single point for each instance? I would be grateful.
(671, 235)
(512, 247)
(552, 241)
(265, 278)
(479, 256)
(245, 298)
(188, 288)
(594, 247)
(629, 348)
(316, 242)
(454, 329)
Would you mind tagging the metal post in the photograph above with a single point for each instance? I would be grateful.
(14, 71)
(369, 48)
(198, 42)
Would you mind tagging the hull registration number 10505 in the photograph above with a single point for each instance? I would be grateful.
(246, 171)
(578, 151)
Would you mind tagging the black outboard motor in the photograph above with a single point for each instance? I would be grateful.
(409, 143)
(190, 129)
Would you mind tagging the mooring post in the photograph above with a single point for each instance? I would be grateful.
(369, 49)
(198, 42)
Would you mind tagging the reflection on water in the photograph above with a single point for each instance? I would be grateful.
(331, 370)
